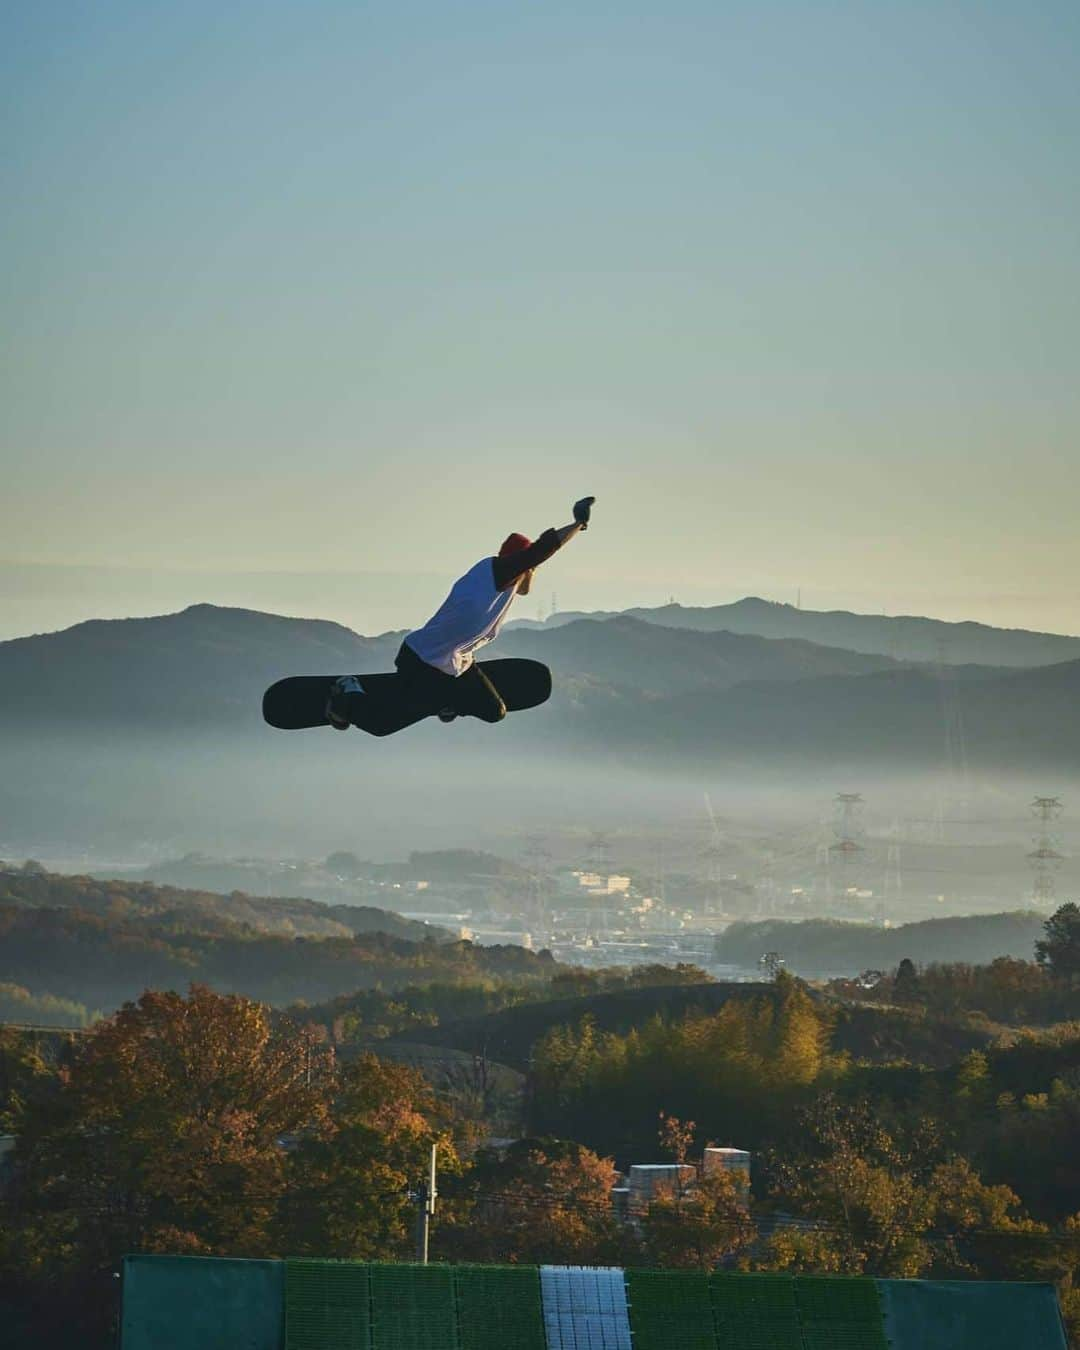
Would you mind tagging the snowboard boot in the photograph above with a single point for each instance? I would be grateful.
(336, 710)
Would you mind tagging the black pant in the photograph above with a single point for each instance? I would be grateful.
(471, 694)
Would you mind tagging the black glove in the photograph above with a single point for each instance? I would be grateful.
(581, 511)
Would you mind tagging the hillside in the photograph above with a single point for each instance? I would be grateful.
(102, 962)
(903, 637)
(508, 1035)
(203, 910)
(827, 947)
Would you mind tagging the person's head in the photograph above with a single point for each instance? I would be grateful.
(514, 543)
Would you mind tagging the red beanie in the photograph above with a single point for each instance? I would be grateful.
(513, 543)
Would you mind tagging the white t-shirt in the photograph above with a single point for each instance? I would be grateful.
(469, 617)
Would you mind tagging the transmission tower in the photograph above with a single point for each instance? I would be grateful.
(713, 855)
(767, 882)
(893, 888)
(538, 865)
(848, 831)
(1045, 856)
(954, 786)
(598, 860)
(847, 826)
(598, 853)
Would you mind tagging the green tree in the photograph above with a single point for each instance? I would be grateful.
(1060, 948)
(801, 1032)
(974, 1085)
(906, 982)
(23, 1074)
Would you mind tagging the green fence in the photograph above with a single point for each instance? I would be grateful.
(670, 1310)
(201, 1303)
(327, 1304)
(499, 1308)
(838, 1313)
(342, 1306)
(677, 1310)
(971, 1315)
(412, 1308)
(755, 1312)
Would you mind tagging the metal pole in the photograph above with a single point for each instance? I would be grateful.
(426, 1195)
(422, 1219)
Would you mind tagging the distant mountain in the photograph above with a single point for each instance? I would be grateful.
(636, 691)
(1018, 720)
(633, 654)
(203, 666)
(902, 637)
(208, 666)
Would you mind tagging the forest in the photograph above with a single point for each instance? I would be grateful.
(72, 948)
(208, 1123)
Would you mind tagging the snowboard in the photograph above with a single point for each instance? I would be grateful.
(387, 703)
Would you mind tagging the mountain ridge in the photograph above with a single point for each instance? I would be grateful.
(905, 637)
(623, 686)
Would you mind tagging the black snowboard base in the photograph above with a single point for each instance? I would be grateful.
(387, 703)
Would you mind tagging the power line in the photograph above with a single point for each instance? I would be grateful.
(774, 1224)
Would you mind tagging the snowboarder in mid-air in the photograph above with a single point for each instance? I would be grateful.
(437, 671)
(437, 661)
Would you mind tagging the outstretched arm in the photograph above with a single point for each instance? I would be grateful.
(507, 570)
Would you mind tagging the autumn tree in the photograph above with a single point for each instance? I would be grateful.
(983, 1229)
(861, 1185)
(889, 1202)
(349, 1179)
(698, 1226)
(166, 1131)
(675, 1136)
(539, 1200)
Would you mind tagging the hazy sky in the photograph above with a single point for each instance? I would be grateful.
(344, 288)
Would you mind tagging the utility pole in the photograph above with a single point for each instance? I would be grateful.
(425, 1196)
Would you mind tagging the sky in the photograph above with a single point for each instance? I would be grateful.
(307, 305)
